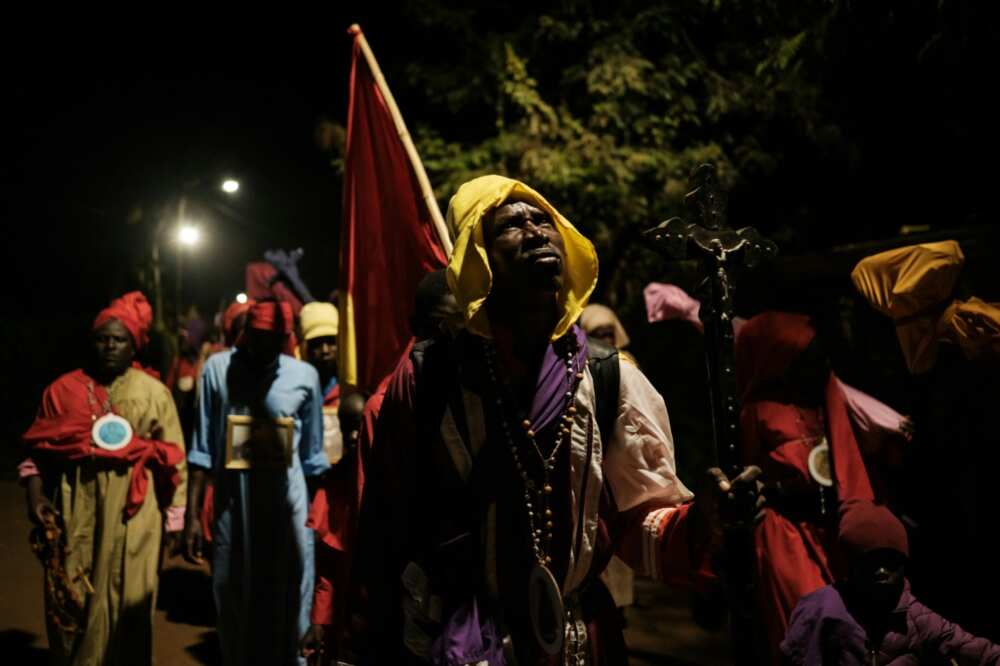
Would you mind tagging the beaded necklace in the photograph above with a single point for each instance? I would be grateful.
(543, 588)
(102, 407)
(537, 495)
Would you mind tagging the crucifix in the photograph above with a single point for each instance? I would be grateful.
(718, 248)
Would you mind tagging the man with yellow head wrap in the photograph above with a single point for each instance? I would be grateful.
(500, 482)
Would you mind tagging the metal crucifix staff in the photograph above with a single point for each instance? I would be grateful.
(718, 248)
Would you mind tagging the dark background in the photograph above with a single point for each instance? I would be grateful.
(105, 128)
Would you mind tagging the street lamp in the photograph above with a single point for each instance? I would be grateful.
(188, 234)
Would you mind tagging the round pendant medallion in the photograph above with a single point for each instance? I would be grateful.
(546, 607)
(111, 432)
(819, 464)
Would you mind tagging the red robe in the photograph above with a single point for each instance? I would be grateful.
(796, 554)
(334, 515)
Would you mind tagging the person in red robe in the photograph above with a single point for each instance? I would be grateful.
(795, 426)
(335, 509)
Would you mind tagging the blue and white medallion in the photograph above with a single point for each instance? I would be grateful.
(111, 432)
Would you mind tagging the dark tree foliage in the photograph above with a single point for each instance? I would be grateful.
(830, 121)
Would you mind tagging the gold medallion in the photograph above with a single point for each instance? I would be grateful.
(820, 467)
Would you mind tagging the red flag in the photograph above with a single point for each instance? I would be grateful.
(388, 238)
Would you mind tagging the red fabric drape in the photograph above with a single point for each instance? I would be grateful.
(62, 432)
(334, 515)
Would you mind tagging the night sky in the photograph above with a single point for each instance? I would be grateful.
(119, 124)
(101, 123)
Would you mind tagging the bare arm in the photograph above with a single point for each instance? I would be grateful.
(39, 506)
(192, 522)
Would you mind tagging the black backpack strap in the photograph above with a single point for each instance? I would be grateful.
(603, 362)
(434, 374)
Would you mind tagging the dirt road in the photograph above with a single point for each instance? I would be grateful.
(659, 629)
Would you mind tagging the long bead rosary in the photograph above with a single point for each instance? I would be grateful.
(538, 497)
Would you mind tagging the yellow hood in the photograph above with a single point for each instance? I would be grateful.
(469, 276)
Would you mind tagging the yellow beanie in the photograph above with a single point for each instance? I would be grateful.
(318, 320)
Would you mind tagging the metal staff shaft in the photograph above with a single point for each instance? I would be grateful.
(718, 247)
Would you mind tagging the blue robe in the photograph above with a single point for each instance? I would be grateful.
(263, 570)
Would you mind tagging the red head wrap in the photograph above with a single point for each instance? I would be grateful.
(264, 282)
(135, 314)
(766, 347)
(865, 527)
(272, 316)
(231, 318)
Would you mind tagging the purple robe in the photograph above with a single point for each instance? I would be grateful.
(823, 632)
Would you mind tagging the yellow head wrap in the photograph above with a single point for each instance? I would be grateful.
(318, 320)
(469, 276)
(903, 282)
(912, 285)
(974, 325)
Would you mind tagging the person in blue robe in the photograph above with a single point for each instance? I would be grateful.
(259, 432)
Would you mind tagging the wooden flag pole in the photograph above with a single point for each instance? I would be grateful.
(404, 136)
